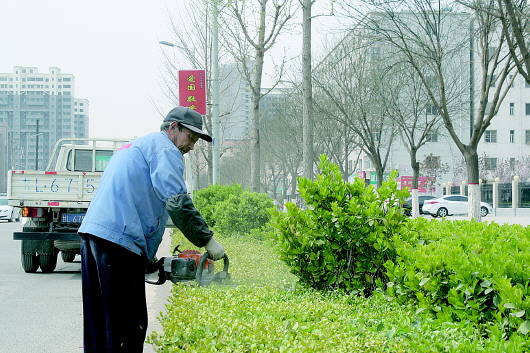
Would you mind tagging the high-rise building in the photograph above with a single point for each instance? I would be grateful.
(234, 105)
(38, 109)
(3, 157)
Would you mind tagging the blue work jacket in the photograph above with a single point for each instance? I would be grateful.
(129, 205)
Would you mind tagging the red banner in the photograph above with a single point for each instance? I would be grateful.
(423, 183)
(192, 90)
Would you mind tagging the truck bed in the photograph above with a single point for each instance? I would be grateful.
(51, 189)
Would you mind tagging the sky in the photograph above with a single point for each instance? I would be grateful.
(111, 47)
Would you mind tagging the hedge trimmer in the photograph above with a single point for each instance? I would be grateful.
(189, 266)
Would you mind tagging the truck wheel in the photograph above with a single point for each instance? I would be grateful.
(30, 262)
(47, 262)
(68, 256)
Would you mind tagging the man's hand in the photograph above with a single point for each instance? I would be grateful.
(215, 249)
(152, 266)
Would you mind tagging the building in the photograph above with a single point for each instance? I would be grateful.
(234, 105)
(3, 157)
(38, 109)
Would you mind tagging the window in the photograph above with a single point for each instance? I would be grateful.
(490, 163)
(490, 136)
(512, 108)
(368, 162)
(492, 53)
(493, 80)
(527, 136)
(431, 109)
(432, 137)
(527, 106)
(82, 160)
(512, 136)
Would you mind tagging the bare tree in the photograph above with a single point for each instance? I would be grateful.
(409, 106)
(282, 144)
(351, 80)
(426, 32)
(515, 18)
(433, 168)
(251, 29)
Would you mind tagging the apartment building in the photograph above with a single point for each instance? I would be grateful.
(37, 109)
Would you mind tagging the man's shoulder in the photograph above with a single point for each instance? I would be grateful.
(153, 141)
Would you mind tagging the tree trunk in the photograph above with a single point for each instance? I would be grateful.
(254, 145)
(379, 173)
(255, 157)
(307, 92)
(414, 192)
(471, 157)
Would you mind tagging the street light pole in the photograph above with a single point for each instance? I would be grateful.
(37, 147)
(215, 95)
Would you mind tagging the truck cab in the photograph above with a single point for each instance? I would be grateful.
(54, 201)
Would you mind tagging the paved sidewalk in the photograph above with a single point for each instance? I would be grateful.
(522, 220)
(157, 296)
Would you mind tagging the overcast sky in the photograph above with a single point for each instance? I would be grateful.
(110, 46)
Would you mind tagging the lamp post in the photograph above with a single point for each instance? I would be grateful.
(215, 94)
(216, 143)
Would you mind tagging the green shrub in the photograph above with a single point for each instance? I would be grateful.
(466, 271)
(239, 214)
(232, 210)
(344, 237)
(206, 200)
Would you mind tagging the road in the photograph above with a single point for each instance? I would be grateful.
(42, 312)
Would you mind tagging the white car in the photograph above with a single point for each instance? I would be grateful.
(451, 205)
(7, 212)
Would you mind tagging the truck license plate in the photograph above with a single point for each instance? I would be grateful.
(72, 218)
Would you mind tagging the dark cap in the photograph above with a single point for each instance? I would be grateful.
(190, 119)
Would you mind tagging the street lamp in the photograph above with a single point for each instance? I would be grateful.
(169, 44)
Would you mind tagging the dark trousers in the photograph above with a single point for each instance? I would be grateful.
(114, 306)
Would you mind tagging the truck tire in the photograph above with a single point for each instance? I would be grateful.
(68, 256)
(47, 262)
(30, 262)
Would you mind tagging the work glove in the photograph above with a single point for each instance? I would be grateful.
(152, 266)
(215, 249)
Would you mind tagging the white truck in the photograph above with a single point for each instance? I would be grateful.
(54, 201)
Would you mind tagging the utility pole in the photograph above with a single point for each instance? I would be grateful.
(216, 145)
(37, 147)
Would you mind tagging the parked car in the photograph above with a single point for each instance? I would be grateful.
(7, 212)
(407, 205)
(451, 205)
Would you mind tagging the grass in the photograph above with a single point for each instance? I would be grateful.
(265, 311)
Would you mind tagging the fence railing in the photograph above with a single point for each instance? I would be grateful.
(500, 195)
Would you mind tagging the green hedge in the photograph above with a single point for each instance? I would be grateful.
(232, 210)
(466, 271)
(263, 311)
